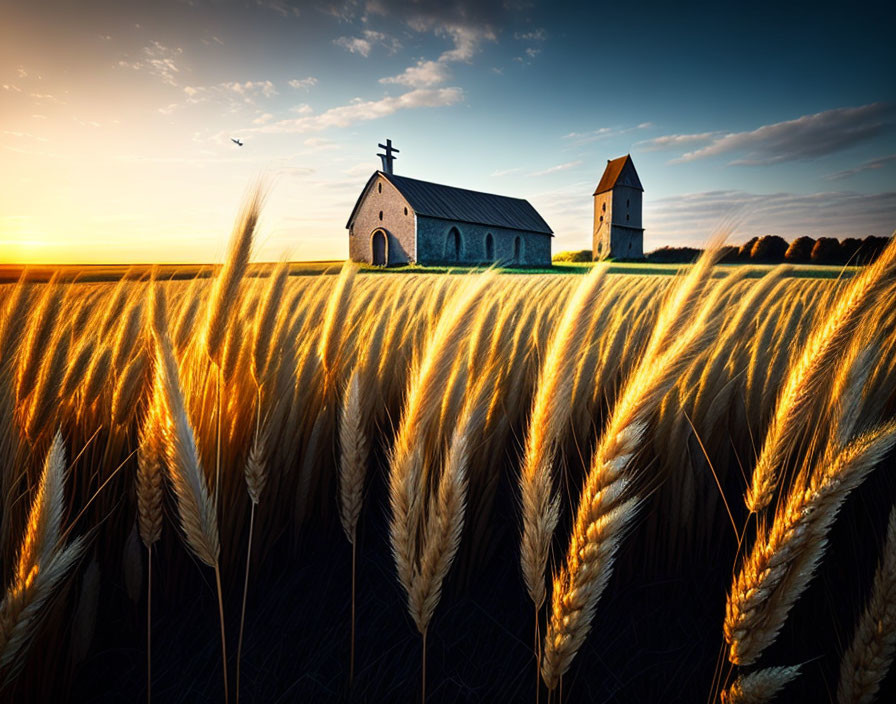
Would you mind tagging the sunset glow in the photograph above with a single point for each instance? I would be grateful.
(117, 119)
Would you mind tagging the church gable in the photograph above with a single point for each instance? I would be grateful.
(619, 172)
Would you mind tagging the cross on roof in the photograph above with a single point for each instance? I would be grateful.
(388, 157)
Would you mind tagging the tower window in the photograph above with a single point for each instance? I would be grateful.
(628, 202)
(381, 215)
(601, 218)
(604, 207)
(627, 217)
(405, 211)
(379, 188)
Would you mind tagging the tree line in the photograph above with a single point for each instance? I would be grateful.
(773, 249)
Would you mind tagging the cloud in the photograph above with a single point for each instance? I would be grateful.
(364, 44)
(559, 167)
(157, 60)
(506, 172)
(807, 137)
(233, 93)
(691, 217)
(303, 83)
(25, 135)
(867, 166)
(363, 110)
(263, 119)
(281, 7)
(673, 141)
(421, 75)
(581, 138)
(537, 35)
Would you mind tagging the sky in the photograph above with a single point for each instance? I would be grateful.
(116, 117)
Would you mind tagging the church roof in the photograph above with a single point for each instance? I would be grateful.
(617, 173)
(461, 205)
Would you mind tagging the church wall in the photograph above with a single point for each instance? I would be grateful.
(435, 248)
(397, 221)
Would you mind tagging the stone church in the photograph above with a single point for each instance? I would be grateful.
(399, 220)
(618, 233)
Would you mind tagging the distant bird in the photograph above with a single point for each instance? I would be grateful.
(237, 142)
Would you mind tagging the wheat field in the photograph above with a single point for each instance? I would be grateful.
(454, 488)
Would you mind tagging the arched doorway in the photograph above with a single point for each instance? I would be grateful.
(453, 245)
(489, 247)
(379, 246)
(517, 250)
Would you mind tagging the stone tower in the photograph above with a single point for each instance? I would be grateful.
(618, 231)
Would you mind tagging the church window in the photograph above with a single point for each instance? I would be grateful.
(601, 218)
(604, 207)
(628, 202)
(517, 250)
(599, 247)
(628, 217)
(381, 215)
(405, 211)
(379, 188)
(489, 247)
(453, 245)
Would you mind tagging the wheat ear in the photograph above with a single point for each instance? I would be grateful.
(606, 508)
(42, 564)
(784, 558)
(197, 511)
(870, 655)
(761, 686)
(811, 371)
(551, 411)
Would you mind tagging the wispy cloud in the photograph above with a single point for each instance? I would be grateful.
(234, 93)
(364, 110)
(506, 172)
(421, 75)
(157, 60)
(675, 141)
(867, 166)
(692, 217)
(579, 139)
(364, 44)
(806, 137)
(559, 167)
(303, 83)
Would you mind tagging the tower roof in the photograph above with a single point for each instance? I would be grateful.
(459, 204)
(619, 172)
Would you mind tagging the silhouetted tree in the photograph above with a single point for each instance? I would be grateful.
(768, 248)
(743, 254)
(826, 251)
(800, 250)
(673, 255)
(729, 254)
(871, 248)
(849, 247)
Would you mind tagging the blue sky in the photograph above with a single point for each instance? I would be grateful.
(116, 117)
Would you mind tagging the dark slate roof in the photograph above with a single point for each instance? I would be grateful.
(448, 203)
(613, 172)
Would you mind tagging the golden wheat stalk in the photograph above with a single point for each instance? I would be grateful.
(332, 334)
(784, 557)
(869, 657)
(225, 290)
(761, 686)
(606, 507)
(196, 508)
(42, 564)
(420, 412)
(810, 372)
(551, 411)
